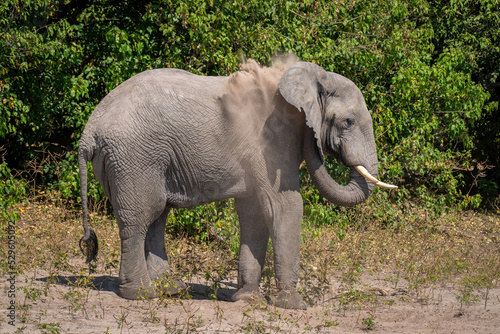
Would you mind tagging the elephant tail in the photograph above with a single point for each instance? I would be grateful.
(88, 243)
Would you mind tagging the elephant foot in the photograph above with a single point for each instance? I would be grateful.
(248, 295)
(169, 288)
(172, 287)
(134, 292)
(288, 300)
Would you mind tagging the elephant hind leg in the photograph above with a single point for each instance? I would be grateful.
(134, 277)
(133, 222)
(140, 205)
(156, 257)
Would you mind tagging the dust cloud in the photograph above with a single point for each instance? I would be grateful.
(252, 96)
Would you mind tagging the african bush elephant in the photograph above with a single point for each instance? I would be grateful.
(168, 139)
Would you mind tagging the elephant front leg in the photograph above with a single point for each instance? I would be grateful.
(285, 236)
(254, 236)
(154, 249)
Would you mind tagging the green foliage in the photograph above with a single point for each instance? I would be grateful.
(429, 71)
(319, 212)
(472, 27)
(12, 191)
(426, 116)
(368, 323)
(54, 328)
(212, 222)
(63, 177)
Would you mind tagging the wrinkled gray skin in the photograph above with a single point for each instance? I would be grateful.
(165, 139)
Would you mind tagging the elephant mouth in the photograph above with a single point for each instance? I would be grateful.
(362, 170)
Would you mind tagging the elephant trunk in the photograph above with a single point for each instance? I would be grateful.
(356, 191)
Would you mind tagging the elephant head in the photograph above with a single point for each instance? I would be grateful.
(338, 124)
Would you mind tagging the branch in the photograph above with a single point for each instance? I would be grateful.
(213, 233)
(304, 17)
(333, 23)
(354, 18)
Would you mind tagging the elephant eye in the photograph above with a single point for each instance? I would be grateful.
(349, 122)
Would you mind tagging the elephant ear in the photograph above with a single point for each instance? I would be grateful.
(301, 86)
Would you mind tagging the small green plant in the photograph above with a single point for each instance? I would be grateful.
(60, 261)
(24, 312)
(389, 302)
(254, 326)
(394, 279)
(153, 316)
(327, 322)
(12, 191)
(467, 290)
(78, 294)
(368, 323)
(174, 328)
(121, 320)
(216, 274)
(20, 330)
(50, 328)
(315, 282)
(352, 273)
(32, 293)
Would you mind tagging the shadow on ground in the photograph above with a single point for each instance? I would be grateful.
(106, 283)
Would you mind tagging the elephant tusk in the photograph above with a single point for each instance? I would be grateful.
(362, 170)
(385, 185)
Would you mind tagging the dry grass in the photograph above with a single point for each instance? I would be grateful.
(453, 250)
(359, 277)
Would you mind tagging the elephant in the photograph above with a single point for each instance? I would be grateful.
(167, 138)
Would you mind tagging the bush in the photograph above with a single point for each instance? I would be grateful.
(428, 78)
(12, 191)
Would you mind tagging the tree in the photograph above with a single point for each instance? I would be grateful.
(418, 70)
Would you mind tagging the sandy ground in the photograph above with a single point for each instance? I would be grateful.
(389, 309)
(372, 298)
